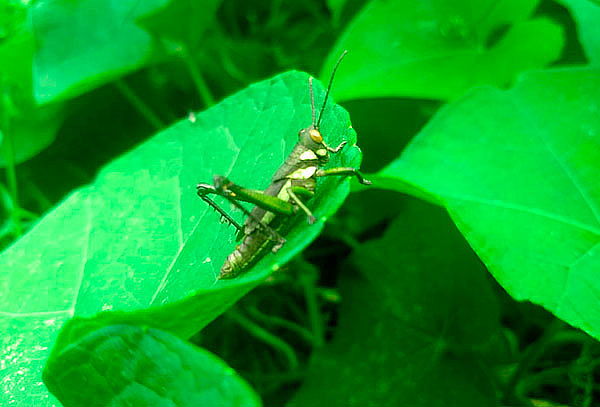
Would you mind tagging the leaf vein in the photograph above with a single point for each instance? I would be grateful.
(567, 170)
(530, 210)
(86, 249)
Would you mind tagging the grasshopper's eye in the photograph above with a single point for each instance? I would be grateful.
(315, 135)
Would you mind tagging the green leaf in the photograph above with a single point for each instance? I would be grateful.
(587, 15)
(16, 42)
(30, 131)
(518, 172)
(82, 44)
(123, 365)
(28, 128)
(439, 48)
(182, 21)
(140, 245)
(416, 328)
(336, 7)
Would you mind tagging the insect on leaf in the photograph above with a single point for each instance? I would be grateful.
(138, 247)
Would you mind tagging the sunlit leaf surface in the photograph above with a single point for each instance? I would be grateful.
(140, 245)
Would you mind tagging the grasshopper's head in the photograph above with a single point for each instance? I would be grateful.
(312, 139)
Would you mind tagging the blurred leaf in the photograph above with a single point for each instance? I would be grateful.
(587, 15)
(13, 14)
(439, 48)
(82, 44)
(336, 7)
(32, 130)
(16, 42)
(139, 242)
(182, 21)
(123, 365)
(386, 125)
(518, 172)
(367, 210)
(416, 328)
(29, 128)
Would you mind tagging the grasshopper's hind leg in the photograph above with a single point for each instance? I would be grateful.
(203, 190)
(234, 194)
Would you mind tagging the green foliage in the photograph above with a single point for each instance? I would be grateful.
(31, 129)
(587, 15)
(148, 368)
(519, 177)
(117, 245)
(108, 290)
(392, 317)
(438, 49)
(82, 44)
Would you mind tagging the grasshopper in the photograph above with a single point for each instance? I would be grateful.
(293, 183)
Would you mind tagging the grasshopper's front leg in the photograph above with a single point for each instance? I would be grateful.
(337, 149)
(343, 171)
(295, 192)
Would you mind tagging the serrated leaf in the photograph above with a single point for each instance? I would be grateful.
(124, 365)
(416, 328)
(440, 48)
(140, 245)
(587, 14)
(82, 44)
(518, 172)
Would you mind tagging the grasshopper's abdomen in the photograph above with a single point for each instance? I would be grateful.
(257, 241)
(245, 254)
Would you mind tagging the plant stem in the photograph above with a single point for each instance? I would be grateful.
(201, 87)
(588, 364)
(552, 335)
(11, 170)
(265, 336)
(34, 191)
(308, 279)
(203, 91)
(283, 323)
(139, 104)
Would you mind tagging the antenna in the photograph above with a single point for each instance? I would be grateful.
(328, 88)
(312, 101)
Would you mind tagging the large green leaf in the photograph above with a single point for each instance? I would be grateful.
(124, 365)
(81, 44)
(139, 244)
(587, 15)
(439, 48)
(416, 328)
(518, 171)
